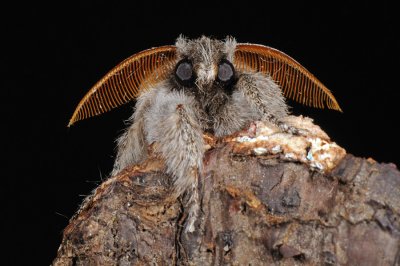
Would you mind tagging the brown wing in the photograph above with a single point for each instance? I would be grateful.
(296, 82)
(125, 81)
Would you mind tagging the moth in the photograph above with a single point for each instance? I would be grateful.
(196, 86)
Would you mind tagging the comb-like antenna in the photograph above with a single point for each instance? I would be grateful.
(296, 81)
(125, 81)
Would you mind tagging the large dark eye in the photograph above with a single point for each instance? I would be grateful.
(184, 73)
(226, 72)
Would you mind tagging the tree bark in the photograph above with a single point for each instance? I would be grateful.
(267, 198)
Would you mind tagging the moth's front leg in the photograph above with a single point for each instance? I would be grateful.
(172, 123)
(264, 95)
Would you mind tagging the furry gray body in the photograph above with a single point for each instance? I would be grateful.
(174, 117)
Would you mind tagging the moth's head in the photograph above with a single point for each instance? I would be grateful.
(205, 64)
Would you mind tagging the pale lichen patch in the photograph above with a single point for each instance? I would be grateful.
(312, 146)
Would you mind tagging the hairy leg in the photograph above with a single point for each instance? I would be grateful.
(169, 119)
(172, 122)
(264, 95)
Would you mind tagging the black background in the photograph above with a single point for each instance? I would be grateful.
(55, 53)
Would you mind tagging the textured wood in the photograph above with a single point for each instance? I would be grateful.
(256, 210)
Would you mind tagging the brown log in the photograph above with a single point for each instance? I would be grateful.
(260, 205)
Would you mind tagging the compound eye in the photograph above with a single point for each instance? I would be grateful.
(184, 72)
(226, 72)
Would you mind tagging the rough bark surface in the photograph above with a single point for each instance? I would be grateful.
(256, 210)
